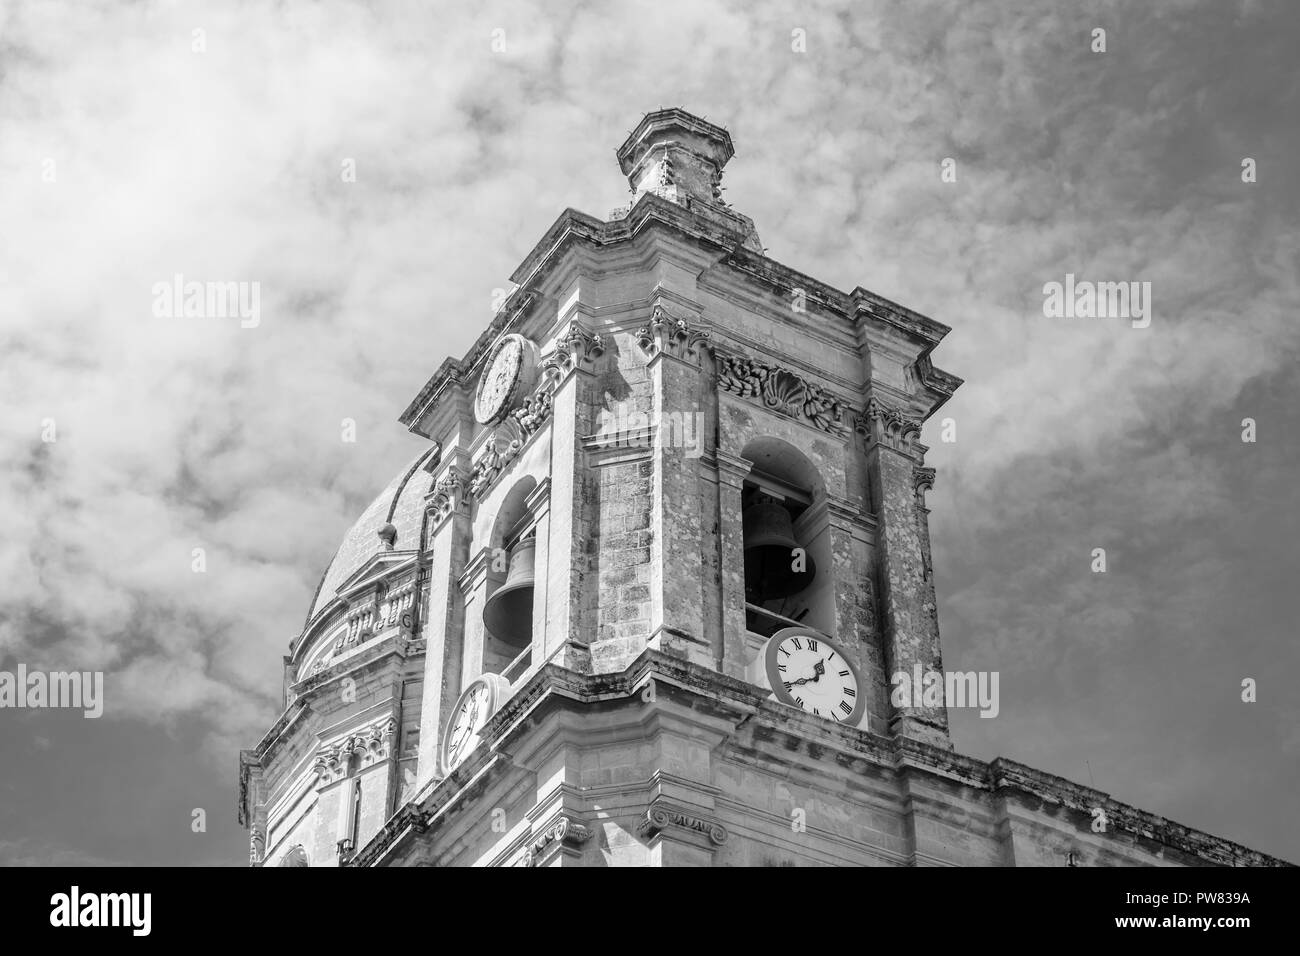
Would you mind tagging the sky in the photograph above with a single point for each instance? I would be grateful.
(134, 149)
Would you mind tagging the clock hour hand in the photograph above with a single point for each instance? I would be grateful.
(818, 670)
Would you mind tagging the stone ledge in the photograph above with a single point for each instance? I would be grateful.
(707, 691)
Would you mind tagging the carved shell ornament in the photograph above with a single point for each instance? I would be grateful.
(783, 391)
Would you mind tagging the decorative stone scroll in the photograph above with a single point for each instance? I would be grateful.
(563, 832)
(780, 390)
(575, 348)
(887, 425)
(256, 845)
(922, 481)
(669, 333)
(661, 817)
(447, 495)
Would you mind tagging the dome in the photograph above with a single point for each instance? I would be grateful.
(395, 514)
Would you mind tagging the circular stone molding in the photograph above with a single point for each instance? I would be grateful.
(507, 374)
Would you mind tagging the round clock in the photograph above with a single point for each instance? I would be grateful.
(479, 702)
(503, 372)
(807, 670)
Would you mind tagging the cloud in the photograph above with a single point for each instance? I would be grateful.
(175, 434)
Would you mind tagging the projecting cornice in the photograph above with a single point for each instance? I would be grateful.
(917, 334)
(700, 691)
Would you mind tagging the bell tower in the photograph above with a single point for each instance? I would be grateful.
(642, 600)
(714, 448)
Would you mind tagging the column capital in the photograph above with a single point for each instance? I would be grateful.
(576, 349)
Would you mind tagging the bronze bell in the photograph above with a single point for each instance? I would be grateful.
(769, 554)
(508, 613)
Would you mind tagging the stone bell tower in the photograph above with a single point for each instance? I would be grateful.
(666, 549)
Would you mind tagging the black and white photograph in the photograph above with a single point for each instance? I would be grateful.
(650, 434)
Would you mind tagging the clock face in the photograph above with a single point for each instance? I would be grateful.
(812, 673)
(499, 379)
(472, 712)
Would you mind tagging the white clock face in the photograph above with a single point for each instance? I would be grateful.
(810, 672)
(499, 379)
(471, 713)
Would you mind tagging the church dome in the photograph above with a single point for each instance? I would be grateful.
(395, 517)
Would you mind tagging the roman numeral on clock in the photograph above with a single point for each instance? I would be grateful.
(850, 692)
(797, 645)
(846, 707)
(812, 645)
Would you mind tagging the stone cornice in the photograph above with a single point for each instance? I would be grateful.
(572, 226)
(554, 687)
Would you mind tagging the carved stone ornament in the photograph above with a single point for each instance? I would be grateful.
(660, 817)
(780, 390)
(447, 495)
(668, 333)
(887, 425)
(256, 845)
(369, 745)
(533, 413)
(505, 375)
(563, 831)
(922, 481)
(508, 440)
(575, 348)
(500, 453)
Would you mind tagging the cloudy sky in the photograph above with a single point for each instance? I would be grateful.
(127, 156)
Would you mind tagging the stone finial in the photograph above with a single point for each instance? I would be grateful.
(388, 535)
(676, 156)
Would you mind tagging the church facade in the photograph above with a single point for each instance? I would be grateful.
(640, 600)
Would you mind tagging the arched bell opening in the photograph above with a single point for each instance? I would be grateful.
(786, 546)
(511, 581)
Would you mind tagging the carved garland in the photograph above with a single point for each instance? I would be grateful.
(780, 390)
(506, 442)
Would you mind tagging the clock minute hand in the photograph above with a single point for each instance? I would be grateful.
(818, 670)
